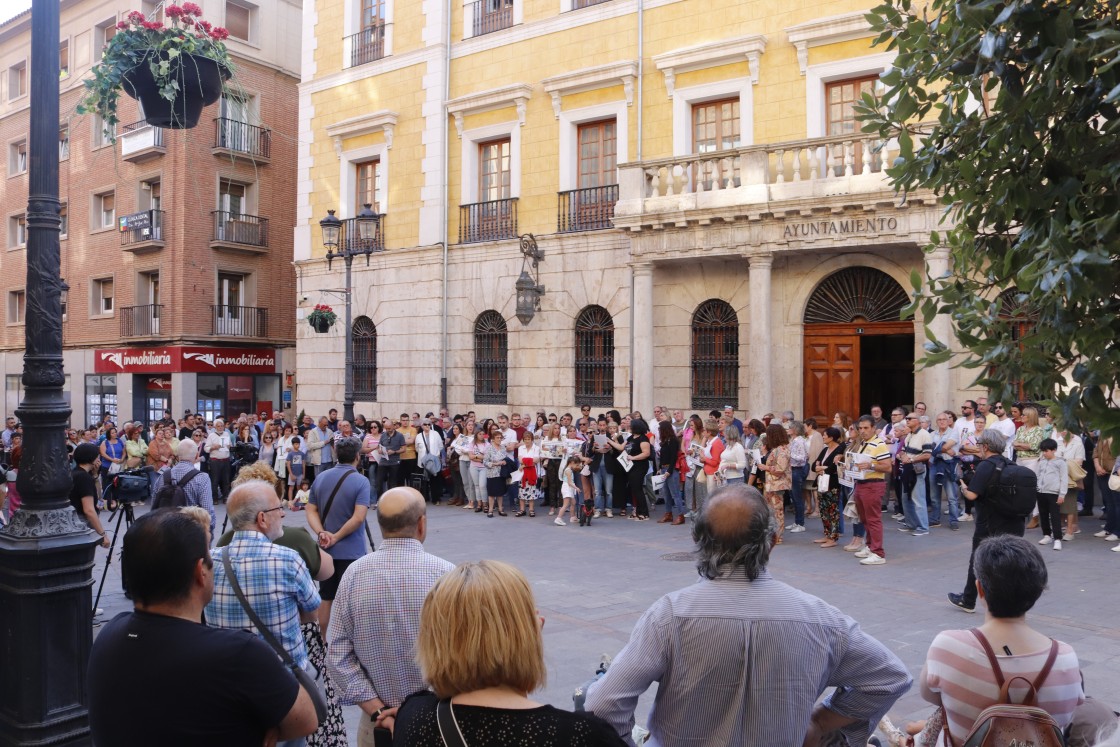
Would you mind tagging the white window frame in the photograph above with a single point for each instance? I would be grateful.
(570, 122)
(347, 186)
(254, 20)
(64, 223)
(685, 98)
(15, 241)
(69, 71)
(26, 80)
(816, 76)
(14, 167)
(64, 126)
(468, 188)
(98, 136)
(351, 22)
(99, 42)
(97, 212)
(13, 316)
(97, 300)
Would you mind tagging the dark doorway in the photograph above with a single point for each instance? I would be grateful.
(886, 365)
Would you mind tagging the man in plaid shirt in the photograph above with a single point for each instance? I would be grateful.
(275, 579)
(376, 615)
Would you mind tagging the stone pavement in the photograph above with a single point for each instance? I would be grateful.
(593, 583)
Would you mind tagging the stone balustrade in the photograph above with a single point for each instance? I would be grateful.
(755, 175)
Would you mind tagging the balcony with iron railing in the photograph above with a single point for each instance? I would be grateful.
(488, 221)
(488, 16)
(351, 238)
(239, 232)
(140, 141)
(365, 46)
(142, 231)
(141, 321)
(242, 140)
(238, 321)
(653, 191)
(589, 209)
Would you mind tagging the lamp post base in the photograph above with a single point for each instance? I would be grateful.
(46, 583)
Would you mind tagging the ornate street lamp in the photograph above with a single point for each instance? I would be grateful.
(528, 288)
(47, 550)
(348, 239)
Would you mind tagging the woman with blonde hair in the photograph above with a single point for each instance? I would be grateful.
(1027, 438)
(484, 680)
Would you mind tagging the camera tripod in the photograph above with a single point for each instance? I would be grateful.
(124, 513)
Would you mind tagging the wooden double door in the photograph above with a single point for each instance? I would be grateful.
(849, 367)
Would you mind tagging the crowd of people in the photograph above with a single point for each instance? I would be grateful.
(423, 646)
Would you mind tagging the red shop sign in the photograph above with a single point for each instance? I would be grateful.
(177, 359)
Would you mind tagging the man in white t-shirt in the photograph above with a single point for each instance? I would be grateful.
(963, 423)
(915, 456)
(1004, 425)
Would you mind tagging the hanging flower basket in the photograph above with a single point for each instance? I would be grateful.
(197, 79)
(322, 318)
(175, 71)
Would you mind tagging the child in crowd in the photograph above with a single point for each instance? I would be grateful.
(568, 488)
(303, 495)
(1053, 477)
(295, 459)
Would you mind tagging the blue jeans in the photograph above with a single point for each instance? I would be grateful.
(944, 479)
(374, 483)
(914, 506)
(799, 474)
(671, 491)
(1111, 500)
(604, 484)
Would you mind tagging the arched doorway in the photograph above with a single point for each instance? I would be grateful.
(857, 351)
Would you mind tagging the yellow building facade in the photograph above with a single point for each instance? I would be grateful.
(714, 228)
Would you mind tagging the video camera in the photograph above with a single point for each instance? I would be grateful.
(131, 485)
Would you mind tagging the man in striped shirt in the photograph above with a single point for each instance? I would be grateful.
(742, 658)
(873, 460)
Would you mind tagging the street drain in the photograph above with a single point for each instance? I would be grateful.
(679, 556)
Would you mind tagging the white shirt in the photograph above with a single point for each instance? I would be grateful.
(217, 445)
(1006, 426)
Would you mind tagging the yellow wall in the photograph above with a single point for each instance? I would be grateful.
(779, 111)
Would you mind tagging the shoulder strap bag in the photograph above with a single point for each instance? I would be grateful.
(449, 730)
(330, 498)
(313, 685)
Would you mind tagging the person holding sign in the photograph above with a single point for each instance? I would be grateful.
(873, 462)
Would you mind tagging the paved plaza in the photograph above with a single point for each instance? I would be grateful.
(593, 583)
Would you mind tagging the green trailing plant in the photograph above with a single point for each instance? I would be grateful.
(163, 49)
(1007, 111)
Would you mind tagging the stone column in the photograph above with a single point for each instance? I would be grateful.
(937, 389)
(641, 337)
(760, 370)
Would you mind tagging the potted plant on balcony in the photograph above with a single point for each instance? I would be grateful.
(322, 318)
(174, 71)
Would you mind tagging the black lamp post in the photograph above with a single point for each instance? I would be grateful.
(46, 552)
(347, 239)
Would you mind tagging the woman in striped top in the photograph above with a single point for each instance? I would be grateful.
(1010, 577)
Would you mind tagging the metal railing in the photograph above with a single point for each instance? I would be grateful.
(352, 238)
(138, 136)
(588, 209)
(141, 321)
(365, 46)
(242, 137)
(238, 228)
(488, 221)
(489, 16)
(142, 227)
(238, 321)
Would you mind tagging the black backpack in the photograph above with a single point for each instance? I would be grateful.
(173, 494)
(1016, 492)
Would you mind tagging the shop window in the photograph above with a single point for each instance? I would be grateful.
(101, 398)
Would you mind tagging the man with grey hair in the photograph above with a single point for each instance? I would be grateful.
(185, 474)
(989, 520)
(217, 445)
(376, 616)
(721, 649)
(275, 579)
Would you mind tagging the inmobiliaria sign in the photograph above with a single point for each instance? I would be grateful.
(179, 359)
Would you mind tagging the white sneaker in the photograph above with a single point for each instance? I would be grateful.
(1046, 540)
(1111, 538)
(1067, 538)
(610, 514)
(560, 523)
(863, 553)
(898, 517)
(1101, 533)
(598, 513)
(966, 517)
(1116, 549)
(789, 527)
(796, 529)
(1057, 544)
(873, 560)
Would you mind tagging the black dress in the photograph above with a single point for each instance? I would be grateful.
(501, 727)
(636, 477)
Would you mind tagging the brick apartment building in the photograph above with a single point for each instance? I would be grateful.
(176, 244)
